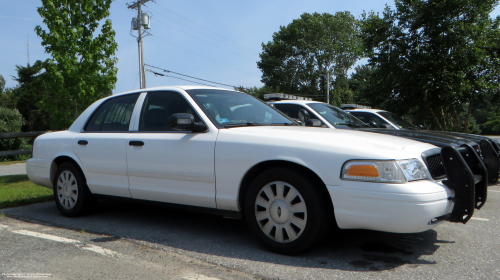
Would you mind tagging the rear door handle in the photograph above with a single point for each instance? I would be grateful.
(136, 143)
(83, 142)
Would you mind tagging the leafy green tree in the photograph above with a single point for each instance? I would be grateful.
(359, 82)
(2, 84)
(82, 68)
(438, 56)
(255, 91)
(11, 121)
(31, 90)
(300, 53)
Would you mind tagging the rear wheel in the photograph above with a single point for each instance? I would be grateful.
(286, 211)
(71, 193)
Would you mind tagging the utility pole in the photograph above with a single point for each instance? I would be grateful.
(327, 87)
(140, 21)
(327, 74)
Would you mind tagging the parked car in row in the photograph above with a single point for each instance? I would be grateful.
(225, 152)
(328, 116)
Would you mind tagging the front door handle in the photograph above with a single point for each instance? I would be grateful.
(136, 143)
(83, 142)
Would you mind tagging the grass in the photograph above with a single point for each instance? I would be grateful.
(3, 163)
(17, 190)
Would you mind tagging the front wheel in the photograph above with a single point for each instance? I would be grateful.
(71, 193)
(286, 211)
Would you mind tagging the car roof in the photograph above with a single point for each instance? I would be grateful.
(171, 88)
(295, 102)
(366, 110)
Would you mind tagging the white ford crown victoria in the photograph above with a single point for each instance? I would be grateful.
(226, 152)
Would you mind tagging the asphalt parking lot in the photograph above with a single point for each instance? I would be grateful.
(217, 248)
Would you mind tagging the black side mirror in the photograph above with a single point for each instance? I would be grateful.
(304, 115)
(185, 121)
(421, 127)
(314, 122)
(373, 124)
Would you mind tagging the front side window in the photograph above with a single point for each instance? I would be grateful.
(291, 110)
(230, 109)
(335, 116)
(370, 117)
(159, 106)
(113, 115)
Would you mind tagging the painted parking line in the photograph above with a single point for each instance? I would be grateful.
(3, 226)
(198, 277)
(78, 244)
(45, 236)
(480, 219)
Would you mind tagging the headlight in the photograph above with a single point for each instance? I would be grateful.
(384, 171)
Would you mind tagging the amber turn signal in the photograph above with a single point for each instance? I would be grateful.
(363, 170)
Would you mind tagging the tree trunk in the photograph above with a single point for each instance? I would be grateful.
(75, 116)
(436, 119)
(443, 118)
(455, 119)
(467, 119)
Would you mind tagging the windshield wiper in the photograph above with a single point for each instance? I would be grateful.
(243, 124)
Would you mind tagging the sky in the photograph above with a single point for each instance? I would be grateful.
(217, 40)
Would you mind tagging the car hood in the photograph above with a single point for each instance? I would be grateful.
(351, 143)
(426, 136)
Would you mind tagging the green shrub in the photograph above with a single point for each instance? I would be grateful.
(11, 121)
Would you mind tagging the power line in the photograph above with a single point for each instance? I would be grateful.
(204, 28)
(168, 71)
(166, 76)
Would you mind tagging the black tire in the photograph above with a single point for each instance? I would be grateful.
(315, 222)
(71, 194)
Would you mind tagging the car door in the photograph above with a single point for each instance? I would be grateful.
(168, 165)
(102, 146)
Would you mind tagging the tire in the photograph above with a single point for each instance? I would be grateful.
(286, 212)
(71, 194)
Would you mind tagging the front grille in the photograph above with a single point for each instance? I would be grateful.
(435, 166)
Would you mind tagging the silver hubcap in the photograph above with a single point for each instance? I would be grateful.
(281, 212)
(67, 189)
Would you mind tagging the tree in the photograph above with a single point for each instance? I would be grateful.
(437, 56)
(299, 55)
(2, 84)
(30, 91)
(82, 68)
(255, 91)
(359, 82)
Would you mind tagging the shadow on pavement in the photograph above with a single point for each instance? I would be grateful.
(350, 250)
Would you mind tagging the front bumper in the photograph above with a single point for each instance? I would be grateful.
(401, 208)
(419, 205)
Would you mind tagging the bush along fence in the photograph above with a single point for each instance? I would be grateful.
(32, 134)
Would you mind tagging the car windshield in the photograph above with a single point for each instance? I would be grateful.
(232, 109)
(335, 116)
(396, 120)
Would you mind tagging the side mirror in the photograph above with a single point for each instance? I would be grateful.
(185, 121)
(304, 115)
(373, 124)
(421, 127)
(314, 122)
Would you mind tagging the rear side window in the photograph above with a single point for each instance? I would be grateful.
(113, 115)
